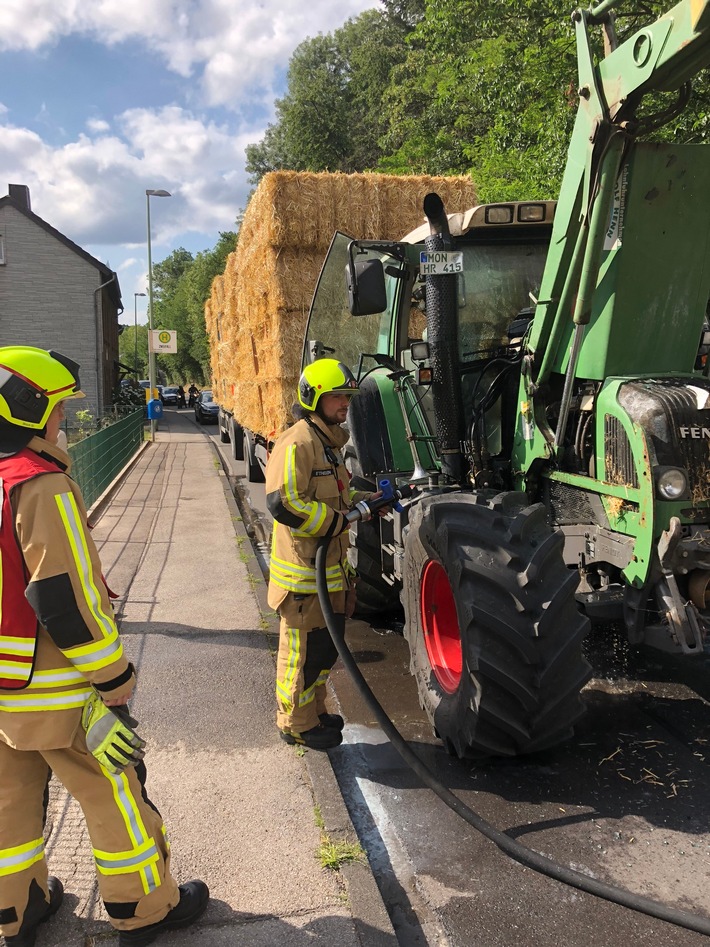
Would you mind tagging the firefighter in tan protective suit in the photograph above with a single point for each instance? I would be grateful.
(62, 669)
(308, 494)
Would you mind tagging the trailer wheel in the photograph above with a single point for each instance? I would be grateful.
(236, 436)
(253, 468)
(223, 435)
(494, 632)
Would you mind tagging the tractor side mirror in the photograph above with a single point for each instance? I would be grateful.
(366, 287)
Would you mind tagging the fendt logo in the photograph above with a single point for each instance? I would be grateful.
(695, 433)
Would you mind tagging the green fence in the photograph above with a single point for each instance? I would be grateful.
(99, 458)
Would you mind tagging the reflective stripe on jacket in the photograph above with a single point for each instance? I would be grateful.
(308, 494)
(78, 644)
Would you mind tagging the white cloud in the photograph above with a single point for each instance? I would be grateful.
(88, 176)
(97, 125)
(228, 47)
(93, 188)
(31, 24)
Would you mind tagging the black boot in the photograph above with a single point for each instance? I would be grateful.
(317, 738)
(37, 912)
(193, 900)
(334, 721)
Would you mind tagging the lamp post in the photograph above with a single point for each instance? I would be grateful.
(151, 353)
(135, 332)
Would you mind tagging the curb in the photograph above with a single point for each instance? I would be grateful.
(368, 908)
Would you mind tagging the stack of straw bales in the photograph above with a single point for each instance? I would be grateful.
(256, 315)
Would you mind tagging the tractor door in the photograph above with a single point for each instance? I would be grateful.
(331, 330)
(375, 348)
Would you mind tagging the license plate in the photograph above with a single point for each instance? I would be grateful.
(440, 262)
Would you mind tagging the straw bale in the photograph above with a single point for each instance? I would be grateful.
(303, 209)
(218, 291)
(258, 308)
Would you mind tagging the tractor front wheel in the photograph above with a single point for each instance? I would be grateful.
(494, 632)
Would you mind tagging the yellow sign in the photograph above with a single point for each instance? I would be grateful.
(163, 340)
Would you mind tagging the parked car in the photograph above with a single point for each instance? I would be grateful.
(206, 410)
(170, 395)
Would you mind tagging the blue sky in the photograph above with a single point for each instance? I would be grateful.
(102, 99)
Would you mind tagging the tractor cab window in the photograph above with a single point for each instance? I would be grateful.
(332, 331)
(495, 285)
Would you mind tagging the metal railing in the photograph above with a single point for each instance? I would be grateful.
(100, 457)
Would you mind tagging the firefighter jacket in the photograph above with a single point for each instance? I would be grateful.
(73, 638)
(308, 494)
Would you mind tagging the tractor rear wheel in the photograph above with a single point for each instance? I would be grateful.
(494, 633)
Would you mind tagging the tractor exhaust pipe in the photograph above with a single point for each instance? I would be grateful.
(442, 336)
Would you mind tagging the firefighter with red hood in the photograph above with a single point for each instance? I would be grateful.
(65, 682)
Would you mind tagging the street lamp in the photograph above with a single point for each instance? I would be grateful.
(151, 353)
(135, 332)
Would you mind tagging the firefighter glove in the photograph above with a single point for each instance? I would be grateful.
(110, 736)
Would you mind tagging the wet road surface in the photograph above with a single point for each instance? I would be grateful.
(625, 802)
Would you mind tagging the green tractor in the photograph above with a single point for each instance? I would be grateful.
(533, 367)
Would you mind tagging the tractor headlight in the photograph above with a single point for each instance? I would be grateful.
(672, 483)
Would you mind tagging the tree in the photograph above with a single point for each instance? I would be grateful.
(449, 87)
(127, 348)
(182, 284)
(170, 305)
(334, 111)
(490, 89)
(199, 279)
(269, 154)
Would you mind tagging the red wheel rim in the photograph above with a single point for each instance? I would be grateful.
(441, 627)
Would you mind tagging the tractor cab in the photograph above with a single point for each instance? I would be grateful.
(369, 310)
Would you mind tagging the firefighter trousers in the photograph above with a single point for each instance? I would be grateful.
(127, 837)
(306, 655)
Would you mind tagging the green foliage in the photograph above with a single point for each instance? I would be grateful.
(334, 855)
(85, 423)
(450, 87)
(129, 397)
(129, 340)
(331, 118)
(182, 284)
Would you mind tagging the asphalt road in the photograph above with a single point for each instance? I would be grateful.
(625, 802)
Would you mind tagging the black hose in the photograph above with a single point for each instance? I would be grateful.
(516, 851)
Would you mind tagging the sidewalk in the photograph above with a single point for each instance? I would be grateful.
(241, 807)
